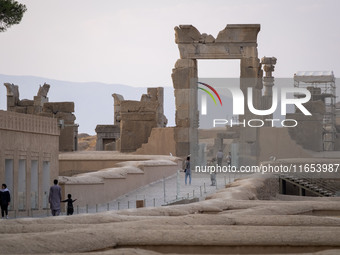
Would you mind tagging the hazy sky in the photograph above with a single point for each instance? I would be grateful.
(132, 42)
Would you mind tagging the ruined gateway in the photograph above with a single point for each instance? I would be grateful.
(246, 217)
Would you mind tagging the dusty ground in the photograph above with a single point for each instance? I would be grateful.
(232, 221)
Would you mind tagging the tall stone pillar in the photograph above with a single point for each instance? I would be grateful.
(184, 77)
(268, 83)
(250, 78)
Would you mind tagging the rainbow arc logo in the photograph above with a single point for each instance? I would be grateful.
(204, 98)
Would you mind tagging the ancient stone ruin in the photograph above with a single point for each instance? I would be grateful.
(233, 42)
(133, 122)
(63, 111)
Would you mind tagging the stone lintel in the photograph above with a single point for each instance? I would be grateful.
(186, 34)
(107, 128)
(231, 50)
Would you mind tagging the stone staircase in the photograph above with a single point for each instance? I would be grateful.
(317, 186)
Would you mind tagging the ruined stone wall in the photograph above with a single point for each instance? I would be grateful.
(309, 131)
(277, 142)
(160, 142)
(62, 111)
(138, 118)
(27, 142)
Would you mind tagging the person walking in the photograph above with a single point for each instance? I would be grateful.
(54, 198)
(229, 159)
(219, 157)
(5, 199)
(69, 201)
(187, 171)
(212, 167)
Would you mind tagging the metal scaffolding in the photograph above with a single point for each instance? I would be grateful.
(322, 87)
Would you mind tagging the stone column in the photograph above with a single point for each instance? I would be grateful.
(268, 83)
(184, 77)
(250, 77)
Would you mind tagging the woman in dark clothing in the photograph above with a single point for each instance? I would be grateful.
(5, 199)
(69, 204)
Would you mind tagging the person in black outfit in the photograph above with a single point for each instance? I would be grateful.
(5, 199)
(69, 201)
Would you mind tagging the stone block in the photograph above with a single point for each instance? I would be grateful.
(181, 134)
(186, 34)
(37, 109)
(182, 114)
(107, 129)
(46, 114)
(68, 138)
(246, 33)
(182, 77)
(205, 38)
(30, 110)
(186, 63)
(144, 116)
(10, 101)
(182, 98)
(39, 100)
(58, 107)
(68, 117)
(182, 149)
(137, 106)
(308, 127)
(25, 102)
(20, 109)
(134, 134)
(182, 122)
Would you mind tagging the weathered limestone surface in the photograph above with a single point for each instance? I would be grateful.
(63, 111)
(33, 139)
(232, 221)
(233, 42)
(138, 118)
(110, 183)
(160, 142)
(107, 134)
(308, 127)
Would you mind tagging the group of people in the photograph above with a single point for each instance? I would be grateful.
(54, 199)
(219, 158)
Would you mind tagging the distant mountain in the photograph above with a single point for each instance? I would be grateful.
(93, 100)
